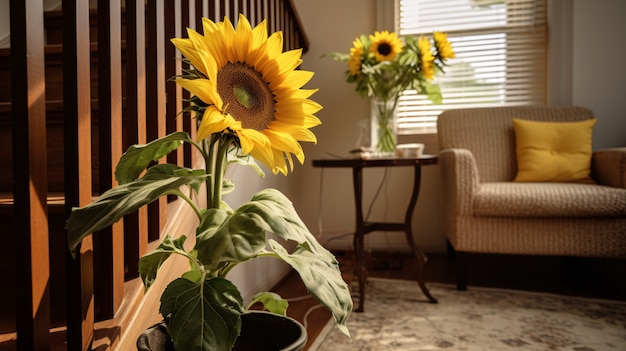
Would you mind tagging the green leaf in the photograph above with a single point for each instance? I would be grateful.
(227, 186)
(245, 160)
(159, 180)
(271, 302)
(433, 92)
(228, 238)
(224, 238)
(337, 56)
(150, 263)
(202, 316)
(276, 214)
(139, 157)
(322, 279)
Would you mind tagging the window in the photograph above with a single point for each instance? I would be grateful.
(500, 59)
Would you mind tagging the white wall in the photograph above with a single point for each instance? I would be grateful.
(599, 73)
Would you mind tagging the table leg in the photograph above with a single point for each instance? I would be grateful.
(359, 235)
(420, 258)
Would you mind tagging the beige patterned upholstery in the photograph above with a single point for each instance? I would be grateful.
(485, 212)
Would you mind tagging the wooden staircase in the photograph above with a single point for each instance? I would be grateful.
(69, 105)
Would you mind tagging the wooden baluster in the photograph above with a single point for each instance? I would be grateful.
(220, 10)
(189, 20)
(261, 10)
(212, 12)
(77, 171)
(244, 7)
(172, 68)
(156, 101)
(135, 225)
(109, 244)
(30, 175)
(180, 122)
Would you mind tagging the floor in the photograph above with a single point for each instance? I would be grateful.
(596, 278)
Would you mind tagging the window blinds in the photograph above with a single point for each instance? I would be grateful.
(500, 59)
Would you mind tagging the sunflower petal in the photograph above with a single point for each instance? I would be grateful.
(274, 45)
(279, 163)
(259, 35)
(297, 78)
(242, 39)
(289, 60)
(300, 134)
(199, 87)
(213, 121)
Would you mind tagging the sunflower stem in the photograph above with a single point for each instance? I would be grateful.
(222, 145)
(209, 157)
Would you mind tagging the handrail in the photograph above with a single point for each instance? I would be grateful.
(108, 89)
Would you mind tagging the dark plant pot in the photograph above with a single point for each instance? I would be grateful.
(260, 331)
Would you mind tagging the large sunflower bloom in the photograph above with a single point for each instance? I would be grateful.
(443, 46)
(251, 89)
(356, 56)
(385, 46)
(426, 58)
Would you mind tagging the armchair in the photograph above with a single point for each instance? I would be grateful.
(485, 211)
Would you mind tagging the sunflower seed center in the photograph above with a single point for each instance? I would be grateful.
(384, 49)
(249, 98)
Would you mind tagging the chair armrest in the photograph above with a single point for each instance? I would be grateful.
(460, 180)
(608, 167)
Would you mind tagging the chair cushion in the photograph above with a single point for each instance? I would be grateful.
(553, 151)
(548, 200)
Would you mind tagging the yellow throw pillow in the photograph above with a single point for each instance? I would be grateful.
(553, 151)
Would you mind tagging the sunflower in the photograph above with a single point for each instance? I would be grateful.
(356, 55)
(426, 58)
(385, 46)
(443, 46)
(251, 89)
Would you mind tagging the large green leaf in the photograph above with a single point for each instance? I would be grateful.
(159, 180)
(275, 213)
(150, 263)
(271, 302)
(244, 160)
(203, 316)
(322, 279)
(138, 157)
(224, 238)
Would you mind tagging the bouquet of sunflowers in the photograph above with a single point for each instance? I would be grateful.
(382, 67)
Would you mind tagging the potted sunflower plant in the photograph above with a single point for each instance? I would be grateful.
(383, 66)
(249, 103)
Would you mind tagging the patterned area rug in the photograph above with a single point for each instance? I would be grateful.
(397, 317)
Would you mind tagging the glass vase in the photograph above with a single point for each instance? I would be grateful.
(384, 126)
